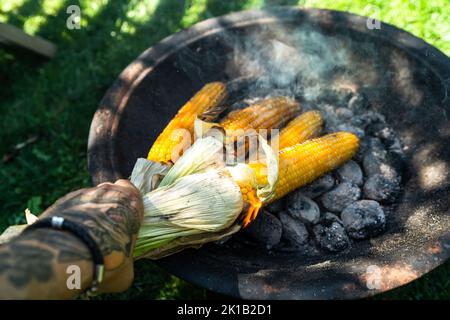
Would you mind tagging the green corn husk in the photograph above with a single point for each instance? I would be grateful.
(197, 204)
(196, 201)
(13, 231)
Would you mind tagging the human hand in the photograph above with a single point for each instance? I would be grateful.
(112, 214)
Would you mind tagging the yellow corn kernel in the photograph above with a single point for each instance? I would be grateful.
(304, 162)
(261, 172)
(265, 114)
(174, 135)
(304, 127)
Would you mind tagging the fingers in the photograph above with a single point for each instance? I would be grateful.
(125, 189)
(119, 280)
(136, 199)
(104, 184)
(121, 184)
(125, 183)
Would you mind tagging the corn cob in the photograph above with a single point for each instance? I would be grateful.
(265, 114)
(302, 163)
(209, 97)
(304, 127)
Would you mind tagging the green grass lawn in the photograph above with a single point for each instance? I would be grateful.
(55, 100)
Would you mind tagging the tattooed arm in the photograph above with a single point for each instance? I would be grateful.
(35, 264)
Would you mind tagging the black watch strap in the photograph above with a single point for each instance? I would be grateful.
(80, 232)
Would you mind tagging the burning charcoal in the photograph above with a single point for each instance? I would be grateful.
(350, 172)
(363, 219)
(397, 148)
(277, 206)
(397, 160)
(374, 165)
(266, 229)
(330, 217)
(374, 128)
(303, 208)
(318, 186)
(376, 146)
(381, 188)
(293, 230)
(330, 234)
(387, 135)
(370, 145)
(358, 103)
(353, 129)
(341, 196)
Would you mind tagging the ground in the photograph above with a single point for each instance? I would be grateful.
(53, 101)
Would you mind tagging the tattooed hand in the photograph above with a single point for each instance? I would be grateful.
(34, 264)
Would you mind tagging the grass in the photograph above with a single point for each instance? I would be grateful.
(55, 100)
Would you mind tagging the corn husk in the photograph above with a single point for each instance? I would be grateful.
(196, 201)
(200, 204)
(13, 231)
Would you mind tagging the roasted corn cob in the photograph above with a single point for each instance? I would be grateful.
(209, 97)
(304, 127)
(266, 114)
(302, 163)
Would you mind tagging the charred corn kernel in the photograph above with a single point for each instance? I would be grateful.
(302, 163)
(265, 114)
(304, 127)
(174, 135)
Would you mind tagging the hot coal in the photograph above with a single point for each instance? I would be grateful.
(396, 158)
(344, 194)
(277, 206)
(363, 219)
(329, 217)
(303, 208)
(372, 145)
(294, 231)
(346, 203)
(318, 187)
(330, 233)
(381, 188)
(350, 172)
(266, 229)
(385, 133)
(376, 165)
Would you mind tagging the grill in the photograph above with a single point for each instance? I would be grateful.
(403, 77)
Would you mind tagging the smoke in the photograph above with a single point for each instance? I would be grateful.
(300, 61)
